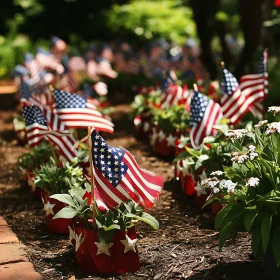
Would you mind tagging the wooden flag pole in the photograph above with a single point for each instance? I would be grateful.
(53, 152)
(92, 178)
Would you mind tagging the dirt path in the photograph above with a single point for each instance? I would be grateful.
(184, 248)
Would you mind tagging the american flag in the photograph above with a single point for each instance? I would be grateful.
(100, 88)
(175, 95)
(205, 113)
(118, 177)
(33, 66)
(234, 105)
(41, 124)
(256, 85)
(33, 93)
(68, 82)
(78, 112)
(59, 47)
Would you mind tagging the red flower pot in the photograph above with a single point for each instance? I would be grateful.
(216, 207)
(188, 185)
(35, 191)
(142, 125)
(97, 257)
(51, 207)
(201, 200)
(163, 143)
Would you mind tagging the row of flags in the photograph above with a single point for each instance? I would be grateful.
(236, 100)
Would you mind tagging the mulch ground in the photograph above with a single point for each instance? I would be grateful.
(186, 246)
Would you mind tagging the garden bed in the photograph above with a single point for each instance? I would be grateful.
(185, 246)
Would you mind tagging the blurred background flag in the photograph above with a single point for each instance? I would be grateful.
(256, 84)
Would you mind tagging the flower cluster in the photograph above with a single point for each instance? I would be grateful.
(261, 123)
(274, 109)
(272, 127)
(241, 158)
(236, 134)
(217, 173)
(252, 152)
(252, 182)
(215, 185)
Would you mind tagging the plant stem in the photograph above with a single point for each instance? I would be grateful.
(92, 178)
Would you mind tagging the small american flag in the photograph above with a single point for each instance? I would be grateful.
(234, 105)
(33, 66)
(175, 95)
(100, 88)
(68, 82)
(205, 113)
(33, 93)
(59, 47)
(41, 124)
(118, 177)
(256, 85)
(78, 112)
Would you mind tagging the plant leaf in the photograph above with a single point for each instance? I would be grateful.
(249, 219)
(65, 198)
(276, 245)
(265, 231)
(66, 213)
(225, 233)
(256, 239)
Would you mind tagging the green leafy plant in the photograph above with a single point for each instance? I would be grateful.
(251, 187)
(144, 103)
(214, 153)
(54, 179)
(173, 118)
(121, 218)
(37, 156)
(147, 20)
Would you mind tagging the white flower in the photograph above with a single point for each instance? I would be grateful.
(274, 109)
(217, 173)
(240, 158)
(215, 190)
(237, 133)
(272, 127)
(252, 148)
(211, 182)
(252, 182)
(253, 155)
(228, 185)
(261, 123)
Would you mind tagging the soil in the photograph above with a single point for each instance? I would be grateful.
(186, 246)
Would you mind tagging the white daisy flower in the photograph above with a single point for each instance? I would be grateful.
(252, 182)
(217, 173)
(261, 123)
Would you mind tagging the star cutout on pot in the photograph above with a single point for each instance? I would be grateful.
(79, 240)
(202, 176)
(154, 137)
(71, 234)
(146, 126)
(171, 140)
(129, 244)
(200, 190)
(161, 135)
(103, 247)
(48, 207)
